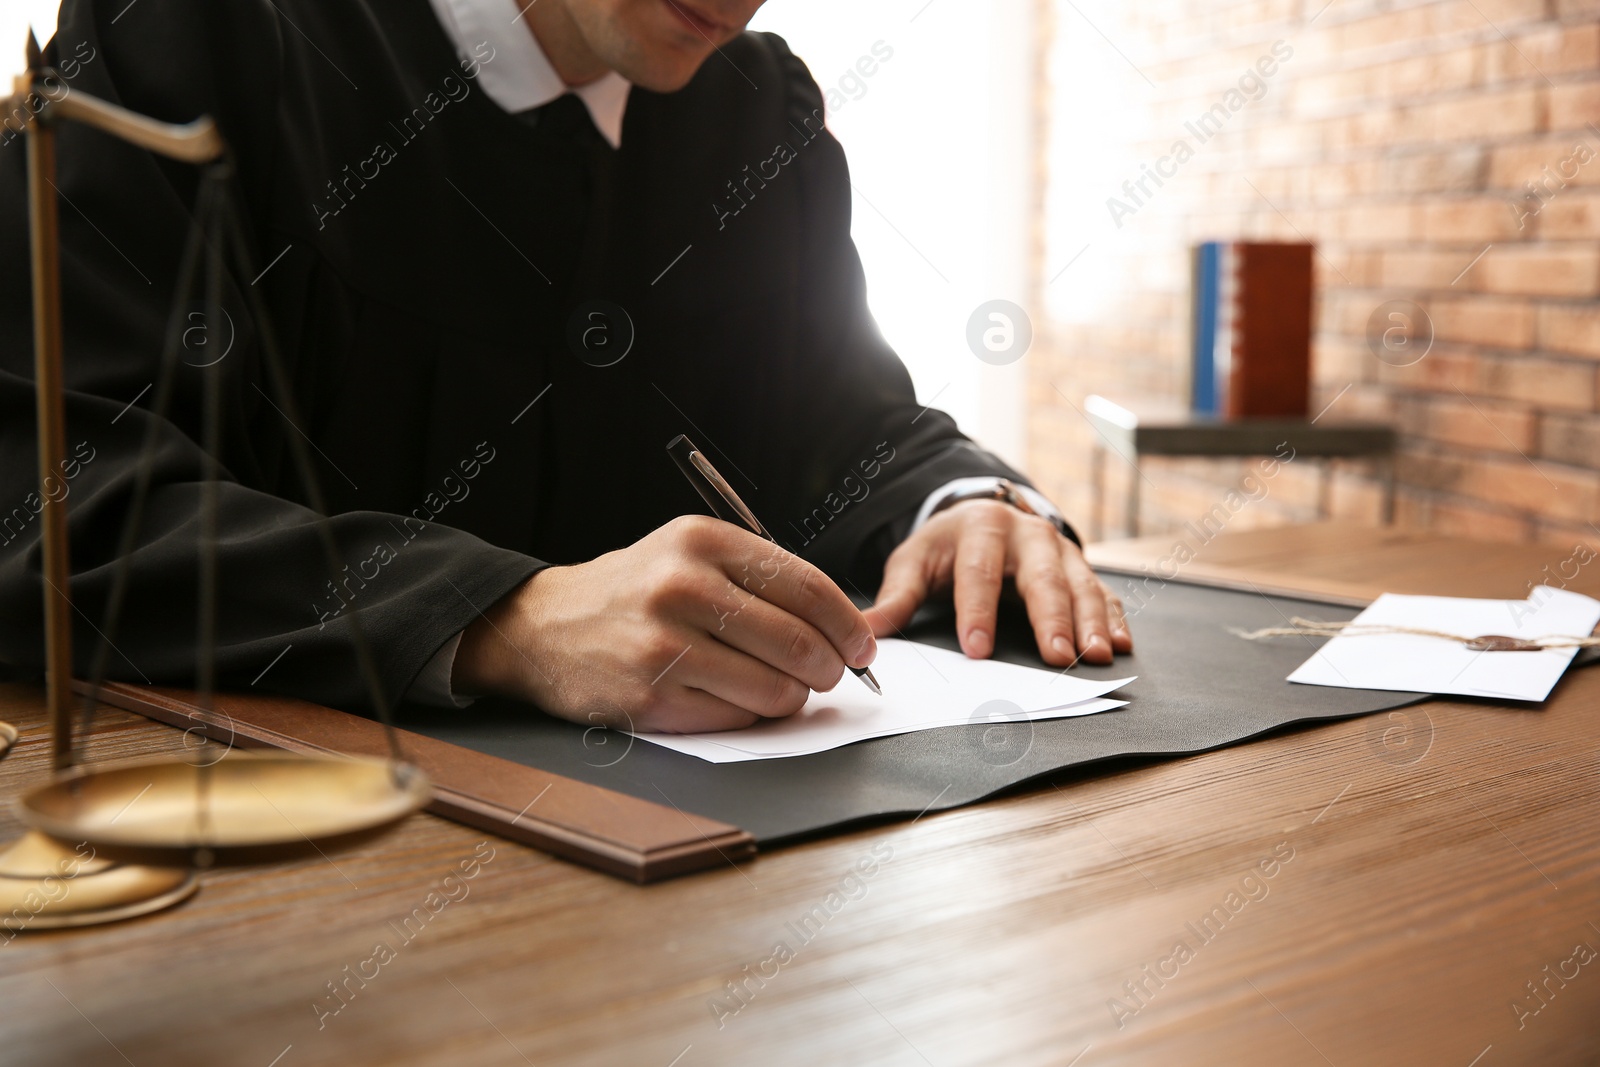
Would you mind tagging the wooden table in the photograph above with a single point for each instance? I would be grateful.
(1164, 428)
(1442, 858)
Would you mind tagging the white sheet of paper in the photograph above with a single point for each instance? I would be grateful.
(711, 751)
(1411, 662)
(923, 687)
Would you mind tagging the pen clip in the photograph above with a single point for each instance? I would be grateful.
(713, 487)
(703, 465)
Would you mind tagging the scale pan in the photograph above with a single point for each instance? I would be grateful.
(45, 885)
(246, 807)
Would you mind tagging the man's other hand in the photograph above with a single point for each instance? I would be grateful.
(974, 546)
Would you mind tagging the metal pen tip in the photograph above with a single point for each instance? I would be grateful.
(872, 683)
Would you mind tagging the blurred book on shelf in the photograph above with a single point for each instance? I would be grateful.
(1250, 353)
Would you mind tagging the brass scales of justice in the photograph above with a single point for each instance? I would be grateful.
(112, 841)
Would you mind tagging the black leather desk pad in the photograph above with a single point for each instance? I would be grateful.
(1199, 687)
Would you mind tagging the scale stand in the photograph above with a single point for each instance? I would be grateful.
(113, 841)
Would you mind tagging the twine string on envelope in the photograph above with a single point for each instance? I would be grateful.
(1299, 627)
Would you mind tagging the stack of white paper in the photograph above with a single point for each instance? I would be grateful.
(1413, 663)
(923, 687)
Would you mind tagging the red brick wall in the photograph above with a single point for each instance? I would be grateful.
(1399, 137)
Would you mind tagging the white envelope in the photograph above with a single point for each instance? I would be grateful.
(1413, 663)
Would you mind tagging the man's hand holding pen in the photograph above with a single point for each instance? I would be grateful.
(700, 625)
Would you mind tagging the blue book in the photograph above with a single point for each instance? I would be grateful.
(1205, 297)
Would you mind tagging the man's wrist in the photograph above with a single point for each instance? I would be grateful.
(484, 656)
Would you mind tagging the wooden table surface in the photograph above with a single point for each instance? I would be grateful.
(1426, 866)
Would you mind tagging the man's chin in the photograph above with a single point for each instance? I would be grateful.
(660, 79)
(662, 68)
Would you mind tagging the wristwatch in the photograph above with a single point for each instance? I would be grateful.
(1007, 492)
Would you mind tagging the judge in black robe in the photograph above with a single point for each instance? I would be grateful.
(430, 264)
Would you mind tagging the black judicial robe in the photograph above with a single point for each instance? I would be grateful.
(427, 262)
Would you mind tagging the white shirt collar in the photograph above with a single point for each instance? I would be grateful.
(520, 77)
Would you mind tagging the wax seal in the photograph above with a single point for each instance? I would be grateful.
(1500, 643)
